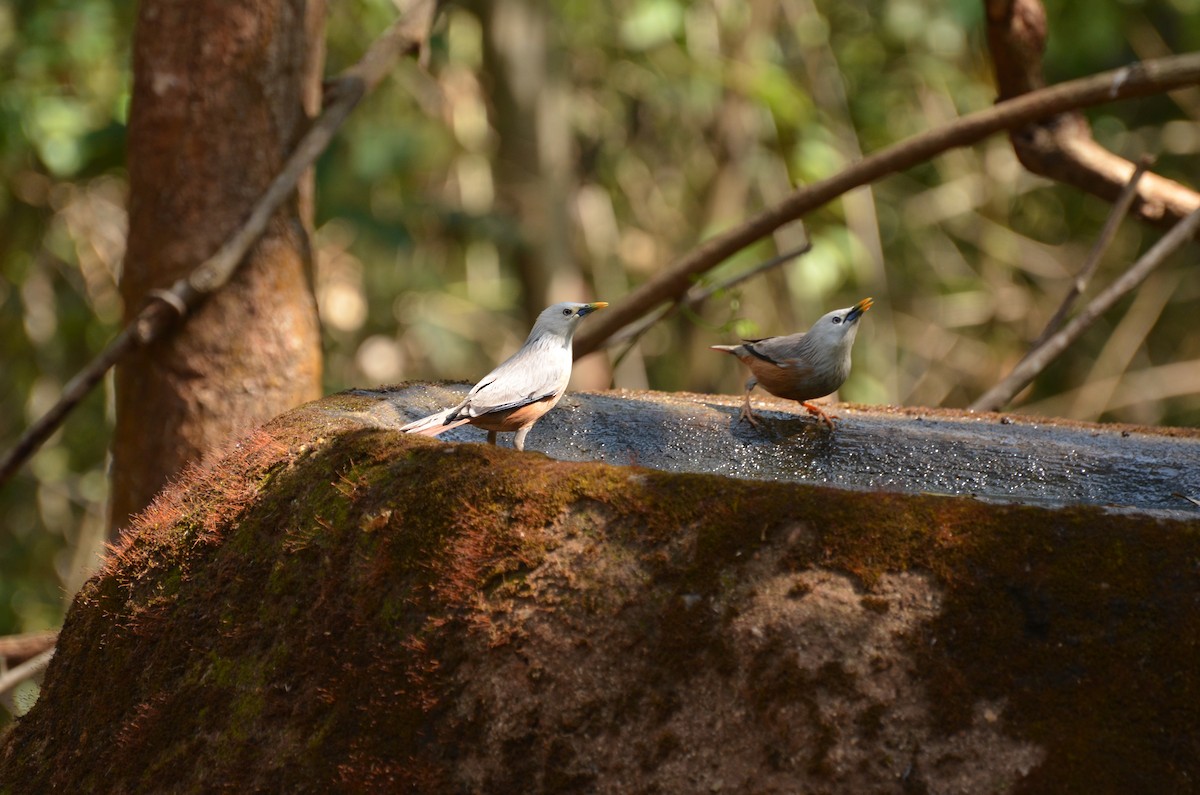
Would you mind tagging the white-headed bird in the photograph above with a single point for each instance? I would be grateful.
(529, 383)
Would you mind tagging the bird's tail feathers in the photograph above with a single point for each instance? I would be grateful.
(433, 424)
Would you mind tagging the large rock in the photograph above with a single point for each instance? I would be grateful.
(337, 606)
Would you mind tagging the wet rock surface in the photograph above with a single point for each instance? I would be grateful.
(992, 456)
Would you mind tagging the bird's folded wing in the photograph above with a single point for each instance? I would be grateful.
(780, 351)
(518, 382)
(756, 349)
(478, 409)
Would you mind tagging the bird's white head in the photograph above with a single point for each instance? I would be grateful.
(837, 329)
(561, 320)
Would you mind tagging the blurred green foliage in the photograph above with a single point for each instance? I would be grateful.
(682, 119)
(64, 86)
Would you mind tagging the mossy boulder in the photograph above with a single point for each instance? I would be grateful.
(335, 606)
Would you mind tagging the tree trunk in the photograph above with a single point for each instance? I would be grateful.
(221, 92)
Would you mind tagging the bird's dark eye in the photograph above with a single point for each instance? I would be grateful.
(837, 320)
(566, 312)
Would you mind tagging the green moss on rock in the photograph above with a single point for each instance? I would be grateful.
(378, 612)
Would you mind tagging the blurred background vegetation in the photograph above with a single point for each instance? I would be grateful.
(654, 124)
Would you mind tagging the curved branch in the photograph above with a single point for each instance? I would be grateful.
(1061, 147)
(1137, 80)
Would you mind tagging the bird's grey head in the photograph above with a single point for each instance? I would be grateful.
(562, 319)
(837, 329)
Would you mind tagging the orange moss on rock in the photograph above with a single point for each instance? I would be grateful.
(339, 607)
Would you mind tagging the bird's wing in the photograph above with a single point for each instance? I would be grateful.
(529, 375)
(779, 351)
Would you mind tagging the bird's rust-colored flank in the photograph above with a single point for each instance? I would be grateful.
(518, 418)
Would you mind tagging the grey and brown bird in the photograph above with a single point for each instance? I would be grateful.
(804, 366)
(529, 383)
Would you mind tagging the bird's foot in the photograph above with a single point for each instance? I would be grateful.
(748, 416)
(820, 413)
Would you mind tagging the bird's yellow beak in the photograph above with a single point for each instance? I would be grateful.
(590, 308)
(857, 310)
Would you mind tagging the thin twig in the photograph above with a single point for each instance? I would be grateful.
(26, 670)
(18, 648)
(1136, 80)
(698, 294)
(73, 394)
(1039, 358)
(693, 298)
(1115, 217)
(167, 308)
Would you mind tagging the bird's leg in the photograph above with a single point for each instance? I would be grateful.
(819, 413)
(747, 414)
(491, 437)
(519, 438)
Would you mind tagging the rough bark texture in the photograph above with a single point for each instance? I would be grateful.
(1062, 148)
(338, 607)
(219, 97)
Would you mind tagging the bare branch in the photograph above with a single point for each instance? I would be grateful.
(167, 308)
(693, 298)
(1039, 358)
(1136, 80)
(19, 648)
(1111, 224)
(699, 294)
(26, 670)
